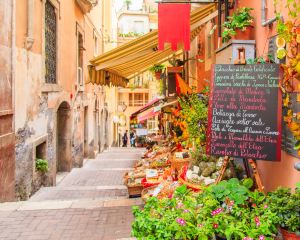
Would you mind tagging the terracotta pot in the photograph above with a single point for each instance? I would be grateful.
(244, 35)
(289, 235)
(157, 75)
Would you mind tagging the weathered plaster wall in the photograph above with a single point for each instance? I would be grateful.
(38, 105)
(7, 158)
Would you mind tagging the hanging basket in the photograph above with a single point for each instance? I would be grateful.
(157, 75)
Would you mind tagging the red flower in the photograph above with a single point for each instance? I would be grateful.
(215, 225)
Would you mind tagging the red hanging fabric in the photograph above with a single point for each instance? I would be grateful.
(174, 25)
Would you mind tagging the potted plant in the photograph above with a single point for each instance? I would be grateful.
(157, 70)
(238, 25)
(287, 207)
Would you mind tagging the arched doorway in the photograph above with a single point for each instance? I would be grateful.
(64, 133)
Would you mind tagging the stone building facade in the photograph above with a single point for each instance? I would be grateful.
(57, 117)
(7, 156)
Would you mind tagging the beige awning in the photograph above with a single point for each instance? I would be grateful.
(138, 55)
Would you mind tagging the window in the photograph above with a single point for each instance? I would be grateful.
(139, 27)
(80, 49)
(50, 43)
(138, 99)
(146, 97)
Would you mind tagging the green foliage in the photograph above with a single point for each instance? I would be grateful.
(130, 34)
(41, 165)
(231, 189)
(262, 59)
(202, 215)
(194, 112)
(239, 20)
(157, 68)
(287, 207)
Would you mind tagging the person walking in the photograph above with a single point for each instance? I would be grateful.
(125, 139)
(132, 139)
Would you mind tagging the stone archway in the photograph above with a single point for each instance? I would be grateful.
(64, 135)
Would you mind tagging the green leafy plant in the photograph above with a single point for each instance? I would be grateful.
(41, 165)
(241, 19)
(157, 68)
(287, 207)
(231, 189)
(201, 216)
(130, 34)
(262, 59)
(194, 110)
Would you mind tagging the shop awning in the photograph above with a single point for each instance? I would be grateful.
(146, 116)
(169, 104)
(138, 55)
(149, 105)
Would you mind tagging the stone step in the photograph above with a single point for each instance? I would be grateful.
(94, 177)
(79, 193)
(82, 204)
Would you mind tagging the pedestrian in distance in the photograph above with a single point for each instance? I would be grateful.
(125, 139)
(132, 139)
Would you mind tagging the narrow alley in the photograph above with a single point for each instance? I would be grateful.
(88, 203)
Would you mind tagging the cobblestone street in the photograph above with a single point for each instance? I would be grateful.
(88, 203)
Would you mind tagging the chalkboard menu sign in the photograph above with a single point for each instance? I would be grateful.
(245, 112)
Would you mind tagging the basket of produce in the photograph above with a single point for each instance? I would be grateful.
(134, 187)
(161, 162)
(164, 190)
(153, 178)
(191, 178)
(178, 163)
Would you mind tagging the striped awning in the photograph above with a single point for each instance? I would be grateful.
(146, 116)
(139, 54)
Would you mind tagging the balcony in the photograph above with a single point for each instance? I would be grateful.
(86, 5)
(135, 103)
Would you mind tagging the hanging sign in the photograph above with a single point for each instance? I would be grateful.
(245, 112)
(174, 25)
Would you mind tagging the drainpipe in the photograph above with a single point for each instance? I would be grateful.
(30, 22)
(264, 21)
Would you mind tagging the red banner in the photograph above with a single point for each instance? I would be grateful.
(174, 25)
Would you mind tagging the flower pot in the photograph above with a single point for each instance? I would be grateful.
(289, 235)
(244, 35)
(157, 75)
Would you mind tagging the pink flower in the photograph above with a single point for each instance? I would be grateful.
(179, 205)
(217, 211)
(247, 238)
(180, 221)
(186, 210)
(266, 206)
(256, 219)
(257, 224)
(215, 225)
(261, 237)
(200, 225)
